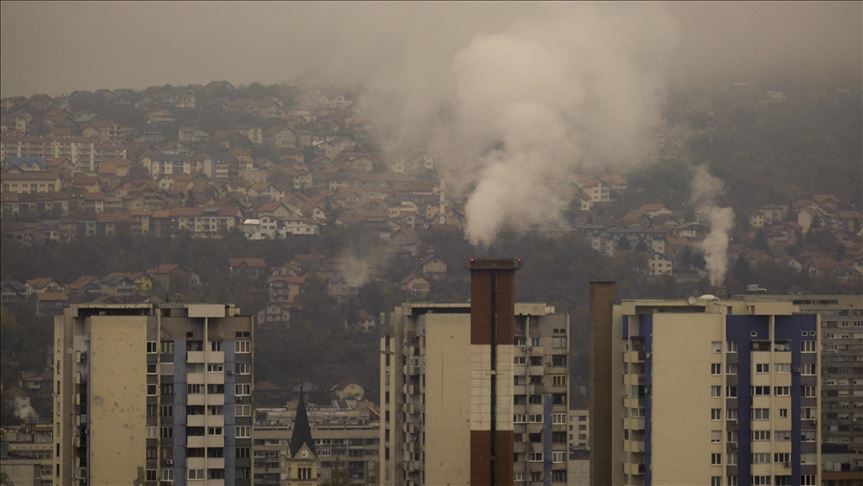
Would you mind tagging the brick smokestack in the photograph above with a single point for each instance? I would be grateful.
(492, 323)
(602, 295)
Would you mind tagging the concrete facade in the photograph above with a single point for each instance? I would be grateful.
(429, 405)
(153, 395)
(715, 392)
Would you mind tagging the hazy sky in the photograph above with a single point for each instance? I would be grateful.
(60, 47)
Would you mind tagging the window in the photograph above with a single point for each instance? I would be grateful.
(243, 410)
(152, 347)
(243, 431)
(534, 456)
(166, 411)
(151, 475)
(715, 436)
(166, 432)
(151, 432)
(782, 367)
(214, 431)
(217, 389)
(242, 452)
(558, 418)
(535, 341)
(244, 368)
(215, 345)
(731, 391)
(519, 418)
(716, 481)
(304, 473)
(715, 414)
(243, 389)
(732, 459)
(151, 368)
(558, 457)
(215, 368)
(151, 390)
(760, 391)
(760, 480)
(168, 347)
(760, 414)
(731, 414)
(783, 413)
(716, 346)
(760, 458)
(761, 368)
(782, 391)
(215, 410)
(715, 459)
(732, 346)
(782, 346)
(558, 341)
(807, 480)
(152, 453)
(558, 360)
(731, 369)
(194, 388)
(167, 474)
(243, 346)
(782, 457)
(558, 380)
(807, 346)
(715, 368)
(782, 435)
(760, 435)
(715, 391)
(808, 391)
(167, 388)
(808, 369)
(535, 476)
(519, 360)
(732, 480)
(215, 474)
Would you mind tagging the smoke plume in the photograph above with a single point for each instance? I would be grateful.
(354, 271)
(24, 411)
(705, 190)
(509, 108)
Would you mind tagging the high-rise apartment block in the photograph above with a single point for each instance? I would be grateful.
(841, 381)
(475, 393)
(153, 395)
(706, 391)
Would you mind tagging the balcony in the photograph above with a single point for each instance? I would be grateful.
(634, 423)
(633, 446)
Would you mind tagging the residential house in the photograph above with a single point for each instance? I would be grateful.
(43, 285)
(434, 267)
(417, 286)
(247, 267)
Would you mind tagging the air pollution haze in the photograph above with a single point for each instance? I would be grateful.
(510, 111)
(706, 189)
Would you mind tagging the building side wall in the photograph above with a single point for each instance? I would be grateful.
(117, 405)
(681, 401)
(448, 391)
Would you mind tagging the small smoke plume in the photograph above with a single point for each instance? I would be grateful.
(24, 411)
(515, 96)
(705, 190)
(353, 270)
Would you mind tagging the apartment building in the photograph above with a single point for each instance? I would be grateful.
(26, 454)
(705, 391)
(345, 434)
(153, 395)
(475, 393)
(841, 381)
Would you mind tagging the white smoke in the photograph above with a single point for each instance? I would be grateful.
(705, 190)
(24, 411)
(353, 270)
(513, 96)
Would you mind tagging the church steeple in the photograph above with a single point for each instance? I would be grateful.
(302, 433)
